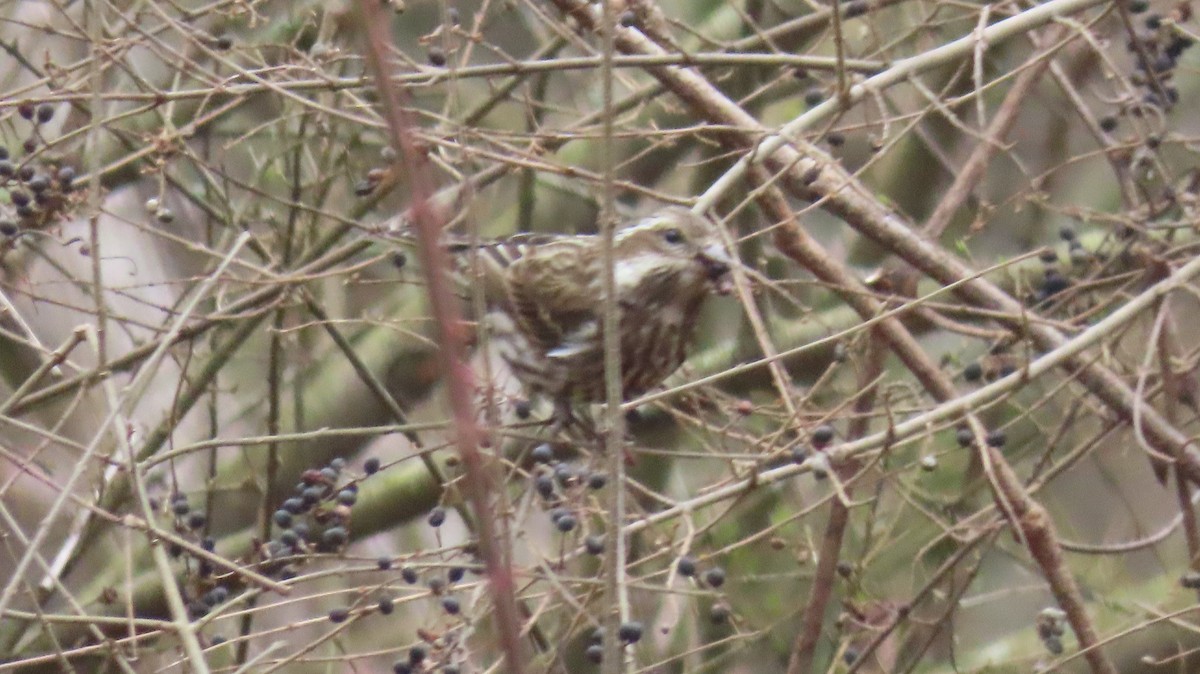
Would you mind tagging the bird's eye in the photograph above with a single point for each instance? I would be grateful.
(673, 235)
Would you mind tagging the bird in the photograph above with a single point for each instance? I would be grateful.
(545, 297)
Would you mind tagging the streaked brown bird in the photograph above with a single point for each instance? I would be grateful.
(545, 297)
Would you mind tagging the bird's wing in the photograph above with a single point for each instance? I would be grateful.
(554, 290)
(485, 264)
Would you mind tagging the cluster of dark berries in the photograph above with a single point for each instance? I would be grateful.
(204, 591)
(1054, 280)
(1050, 628)
(555, 480)
(37, 192)
(316, 517)
(713, 577)
(208, 598)
(965, 437)
(628, 632)
(1163, 44)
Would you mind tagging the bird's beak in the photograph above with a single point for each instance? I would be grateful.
(717, 264)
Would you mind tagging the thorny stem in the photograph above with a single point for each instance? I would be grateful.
(427, 221)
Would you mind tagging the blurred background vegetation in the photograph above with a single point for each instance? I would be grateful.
(225, 445)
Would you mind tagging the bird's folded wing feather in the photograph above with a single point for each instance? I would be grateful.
(554, 290)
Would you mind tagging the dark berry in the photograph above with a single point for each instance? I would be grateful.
(564, 473)
(522, 409)
(964, 436)
(25, 173)
(45, 113)
(1054, 283)
(1108, 124)
(196, 520)
(3, 152)
(686, 566)
(371, 466)
(416, 654)
(822, 435)
(216, 596)
(1066, 234)
(7, 169)
(386, 606)
(813, 97)
(451, 605)
(627, 19)
(835, 139)
(293, 505)
(29, 145)
(329, 473)
(594, 544)
(223, 43)
(996, 438)
(1190, 580)
(401, 667)
(19, 198)
(544, 485)
(347, 497)
(1138, 6)
(39, 183)
(383, 562)
(798, 455)
(597, 480)
(973, 372)
(180, 506)
(301, 530)
(26, 110)
(595, 653)
(437, 585)
(455, 574)
(565, 523)
(543, 453)
(630, 632)
(399, 259)
(339, 615)
(452, 15)
(850, 655)
(844, 569)
(714, 577)
(437, 517)
(719, 614)
(289, 538)
(1153, 22)
(283, 519)
(208, 544)
(437, 56)
(409, 575)
(334, 538)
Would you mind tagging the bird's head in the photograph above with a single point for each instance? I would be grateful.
(677, 242)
